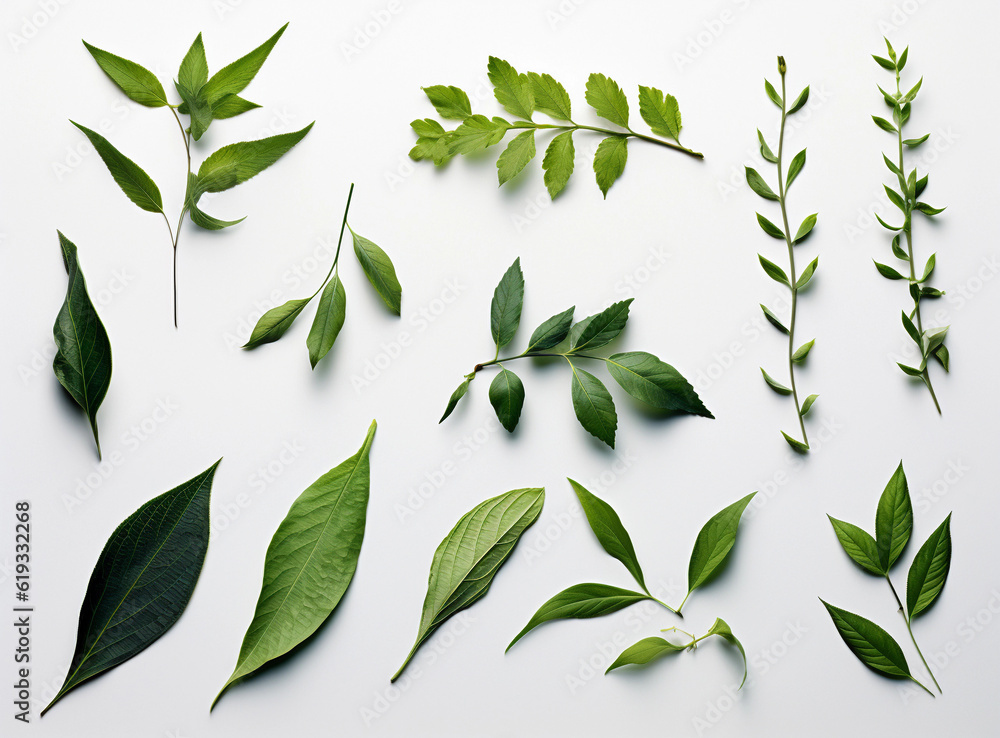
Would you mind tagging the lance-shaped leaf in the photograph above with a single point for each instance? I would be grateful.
(273, 324)
(550, 96)
(560, 158)
(765, 150)
(552, 332)
(656, 383)
(773, 94)
(859, 545)
(609, 161)
(801, 100)
(770, 228)
(380, 271)
(773, 319)
(581, 601)
(607, 99)
(329, 320)
(807, 274)
(758, 185)
(721, 628)
(450, 102)
(775, 384)
(798, 161)
(601, 328)
(143, 580)
(874, 648)
(593, 406)
(236, 163)
(507, 398)
(135, 183)
(194, 67)
(893, 519)
(516, 156)
(309, 563)
(82, 363)
(209, 223)
(230, 106)
(646, 650)
(610, 532)
(457, 395)
(805, 229)
(929, 570)
(134, 80)
(803, 351)
(774, 271)
(232, 78)
(505, 308)
(714, 542)
(469, 557)
(660, 112)
(512, 90)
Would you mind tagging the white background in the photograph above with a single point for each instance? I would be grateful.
(676, 234)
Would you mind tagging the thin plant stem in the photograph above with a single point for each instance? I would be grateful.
(906, 619)
(336, 256)
(681, 606)
(175, 235)
(628, 133)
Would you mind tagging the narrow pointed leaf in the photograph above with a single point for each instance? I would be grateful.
(275, 322)
(801, 100)
(607, 99)
(859, 545)
(137, 82)
(914, 142)
(655, 382)
(884, 124)
(236, 163)
(772, 94)
(874, 648)
(774, 271)
(552, 332)
(798, 161)
(774, 384)
(610, 532)
(609, 161)
(505, 309)
(887, 271)
(714, 542)
(380, 271)
(230, 106)
(457, 395)
(770, 228)
(805, 229)
(209, 223)
(507, 398)
(646, 650)
(758, 185)
(765, 150)
(600, 329)
(773, 319)
(593, 406)
(796, 444)
(929, 570)
(330, 314)
(807, 274)
(803, 351)
(194, 67)
(721, 628)
(232, 78)
(807, 405)
(893, 519)
(134, 182)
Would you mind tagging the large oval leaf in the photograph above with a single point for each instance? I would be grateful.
(507, 398)
(656, 383)
(593, 406)
(610, 532)
(143, 579)
(135, 183)
(859, 545)
(875, 648)
(714, 542)
(380, 272)
(893, 519)
(309, 564)
(929, 570)
(470, 556)
(505, 309)
(552, 332)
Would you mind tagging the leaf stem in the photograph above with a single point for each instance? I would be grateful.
(629, 133)
(336, 256)
(526, 355)
(681, 606)
(176, 233)
(906, 619)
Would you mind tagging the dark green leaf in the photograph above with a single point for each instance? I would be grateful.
(893, 519)
(380, 272)
(206, 221)
(511, 89)
(655, 382)
(609, 161)
(772, 93)
(887, 271)
(929, 268)
(884, 124)
(660, 112)
(929, 570)
(560, 157)
(507, 398)
(909, 370)
(774, 384)
(715, 540)
(758, 185)
(134, 80)
(505, 309)
(550, 96)
(135, 183)
(450, 102)
(910, 329)
(798, 161)
(273, 324)
(926, 209)
(770, 228)
(774, 271)
(198, 108)
(773, 319)
(941, 354)
(888, 228)
(765, 150)
(875, 648)
(232, 78)
(895, 198)
(457, 395)
(600, 329)
(859, 545)
(329, 320)
(607, 99)
(552, 332)
(914, 142)
(236, 163)
(593, 406)
(610, 532)
(194, 67)
(796, 444)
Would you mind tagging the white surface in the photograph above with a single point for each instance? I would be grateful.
(695, 308)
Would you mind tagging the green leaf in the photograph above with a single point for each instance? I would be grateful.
(796, 444)
(230, 106)
(600, 329)
(902, 59)
(721, 628)
(807, 274)
(773, 319)
(581, 601)
(910, 329)
(801, 100)
(380, 272)
(893, 519)
(765, 150)
(884, 63)
(805, 229)
(897, 250)
(773, 94)
(859, 545)
(798, 161)
(774, 271)
(890, 228)
(194, 67)
(560, 157)
(507, 398)
(607, 99)
(450, 102)
(914, 142)
(941, 354)
(433, 142)
(934, 338)
(134, 182)
(807, 405)
(143, 580)
(232, 78)
(887, 271)
(512, 90)
(516, 156)
(655, 382)
(770, 228)
(505, 309)
(593, 406)
(309, 563)
(909, 370)
(476, 133)
(550, 97)
(891, 166)
(206, 221)
(895, 198)
(610, 532)
(609, 161)
(660, 112)
(82, 363)
(926, 209)
(929, 570)
(198, 108)
(884, 124)
(758, 185)
(273, 324)
(774, 384)
(470, 556)
(912, 94)
(329, 320)
(137, 82)
(457, 395)
(236, 163)
(921, 186)
(552, 332)
(875, 648)
(714, 542)
(645, 651)
(803, 351)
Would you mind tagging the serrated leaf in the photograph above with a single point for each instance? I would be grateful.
(929, 570)
(801, 100)
(194, 67)
(143, 580)
(309, 564)
(329, 319)
(470, 556)
(770, 228)
(607, 99)
(775, 384)
(198, 108)
(807, 405)
(807, 274)
(655, 382)
(550, 97)
(512, 90)
(887, 271)
(134, 182)
(773, 94)
(232, 78)
(660, 112)
(236, 163)
(765, 150)
(874, 648)
(433, 142)
(758, 185)
(82, 363)
(714, 542)
(137, 82)
(230, 106)
(803, 351)
(552, 332)
(610, 532)
(516, 156)
(593, 406)
(505, 309)
(380, 271)
(457, 395)
(884, 124)
(507, 398)
(774, 271)
(721, 628)
(609, 161)
(773, 319)
(645, 651)
(798, 161)
(450, 102)
(275, 322)
(859, 545)
(805, 229)
(893, 519)
(601, 328)
(560, 158)
(477, 132)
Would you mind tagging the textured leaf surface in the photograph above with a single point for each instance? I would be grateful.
(329, 320)
(609, 161)
(516, 156)
(135, 183)
(505, 309)
(507, 398)
(660, 112)
(380, 271)
(450, 102)
(714, 542)
(560, 158)
(550, 96)
(232, 78)
(859, 545)
(600, 329)
(236, 163)
(893, 519)
(875, 648)
(194, 67)
(552, 332)
(610, 532)
(273, 324)
(512, 90)
(929, 570)
(645, 651)
(655, 382)
(593, 406)
(607, 99)
(134, 80)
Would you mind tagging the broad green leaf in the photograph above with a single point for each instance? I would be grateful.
(230, 106)
(874, 648)
(803, 351)
(476, 133)
(194, 67)
(610, 532)
(380, 272)
(593, 406)
(82, 363)
(805, 229)
(512, 90)
(457, 395)
(143, 580)
(450, 102)
(773, 319)
(775, 384)
(929, 570)
(599, 329)
(887, 271)
(507, 398)
(714, 542)
(552, 332)
(660, 112)
(329, 320)
(773, 94)
(801, 100)
(232, 78)
(581, 601)
(609, 161)
(137, 82)
(236, 163)
(470, 556)
(560, 157)
(893, 519)
(655, 382)
(765, 150)
(758, 185)
(607, 99)
(551, 97)
(798, 161)
(721, 628)
(807, 405)
(309, 563)
(273, 324)
(859, 545)
(774, 271)
(516, 156)
(884, 124)
(134, 182)
(807, 274)
(505, 308)
(770, 228)
(645, 651)
(197, 107)
(433, 142)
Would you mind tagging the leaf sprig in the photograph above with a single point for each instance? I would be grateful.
(204, 100)
(794, 281)
(873, 646)
(522, 95)
(929, 342)
(641, 374)
(332, 309)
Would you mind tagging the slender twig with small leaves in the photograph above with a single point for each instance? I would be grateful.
(930, 341)
(792, 280)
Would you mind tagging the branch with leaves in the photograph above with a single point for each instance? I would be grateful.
(522, 95)
(929, 342)
(641, 374)
(204, 100)
(794, 281)
(332, 308)
(873, 646)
